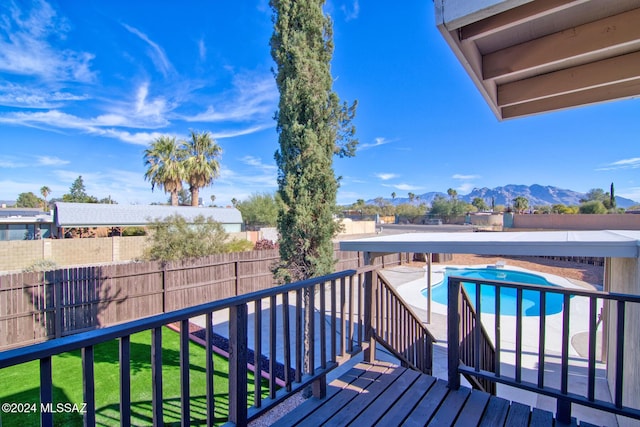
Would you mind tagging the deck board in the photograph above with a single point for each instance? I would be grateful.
(473, 409)
(428, 405)
(311, 404)
(388, 401)
(541, 418)
(496, 412)
(518, 415)
(343, 397)
(356, 406)
(450, 408)
(383, 394)
(410, 398)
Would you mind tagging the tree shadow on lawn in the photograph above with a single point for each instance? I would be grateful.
(140, 359)
(141, 411)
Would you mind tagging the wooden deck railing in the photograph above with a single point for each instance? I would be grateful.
(309, 327)
(399, 329)
(619, 305)
(476, 348)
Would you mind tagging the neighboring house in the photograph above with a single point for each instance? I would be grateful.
(25, 224)
(75, 215)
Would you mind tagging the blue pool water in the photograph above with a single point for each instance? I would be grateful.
(531, 299)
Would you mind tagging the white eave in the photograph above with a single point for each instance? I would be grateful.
(605, 243)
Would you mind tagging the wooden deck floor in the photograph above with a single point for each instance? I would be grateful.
(383, 394)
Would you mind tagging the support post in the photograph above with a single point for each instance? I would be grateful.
(563, 411)
(453, 333)
(369, 311)
(238, 364)
(319, 387)
(606, 311)
(429, 288)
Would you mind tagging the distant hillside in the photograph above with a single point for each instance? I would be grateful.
(536, 194)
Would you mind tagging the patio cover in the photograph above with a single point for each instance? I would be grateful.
(529, 57)
(605, 243)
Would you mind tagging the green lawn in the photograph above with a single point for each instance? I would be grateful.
(21, 384)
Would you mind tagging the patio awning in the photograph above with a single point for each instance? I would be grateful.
(528, 57)
(606, 243)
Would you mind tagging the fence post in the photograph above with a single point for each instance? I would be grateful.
(235, 273)
(58, 310)
(453, 333)
(238, 320)
(164, 287)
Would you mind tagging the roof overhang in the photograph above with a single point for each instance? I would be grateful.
(528, 57)
(606, 243)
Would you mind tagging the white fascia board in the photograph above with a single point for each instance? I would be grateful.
(454, 14)
(597, 244)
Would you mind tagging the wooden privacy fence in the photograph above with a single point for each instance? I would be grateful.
(40, 306)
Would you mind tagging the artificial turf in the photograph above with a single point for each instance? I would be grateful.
(21, 384)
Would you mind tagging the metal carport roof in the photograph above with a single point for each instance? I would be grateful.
(104, 215)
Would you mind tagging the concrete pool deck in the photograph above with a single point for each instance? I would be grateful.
(410, 281)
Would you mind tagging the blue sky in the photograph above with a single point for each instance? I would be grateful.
(85, 86)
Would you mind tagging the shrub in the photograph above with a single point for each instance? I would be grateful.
(173, 238)
(237, 245)
(41, 265)
(264, 245)
(134, 231)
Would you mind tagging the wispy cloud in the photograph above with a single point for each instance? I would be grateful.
(263, 179)
(351, 11)
(376, 143)
(51, 161)
(61, 120)
(155, 52)
(26, 48)
(257, 162)
(13, 95)
(631, 163)
(10, 162)
(465, 188)
(403, 187)
(386, 176)
(202, 50)
(465, 177)
(632, 193)
(254, 98)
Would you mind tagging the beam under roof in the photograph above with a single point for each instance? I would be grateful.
(530, 57)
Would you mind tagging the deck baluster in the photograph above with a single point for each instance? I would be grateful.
(156, 375)
(209, 368)
(125, 380)
(542, 337)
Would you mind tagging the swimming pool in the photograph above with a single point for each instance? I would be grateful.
(530, 299)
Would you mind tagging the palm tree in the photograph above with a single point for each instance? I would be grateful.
(45, 191)
(200, 162)
(165, 166)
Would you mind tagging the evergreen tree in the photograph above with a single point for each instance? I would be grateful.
(78, 193)
(612, 196)
(313, 126)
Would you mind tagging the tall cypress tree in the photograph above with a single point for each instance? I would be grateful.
(313, 126)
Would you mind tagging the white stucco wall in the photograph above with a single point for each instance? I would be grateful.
(625, 278)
